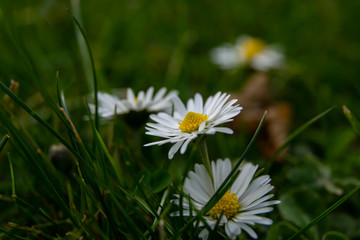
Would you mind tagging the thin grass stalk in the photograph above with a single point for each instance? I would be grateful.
(3, 142)
(135, 231)
(205, 158)
(14, 236)
(33, 157)
(352, 119)
(35, 116)
(161, 206)
(109, 157)
(146, 208)
(296, 133)
(324, 214)
(13, 192)
(92, 67)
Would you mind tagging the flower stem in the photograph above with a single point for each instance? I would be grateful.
(205, 157)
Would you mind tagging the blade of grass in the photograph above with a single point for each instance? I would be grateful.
(35, 115)
(13, 192)
(3, 142)
(92, 67)
(36, 164)
(109, 157)
(352, 119)
(41, 212)
(325, 213)
(296, 133)
(135, 231)
(9, 233)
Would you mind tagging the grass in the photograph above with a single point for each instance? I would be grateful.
(108, 186)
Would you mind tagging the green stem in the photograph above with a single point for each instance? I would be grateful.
(205, 157)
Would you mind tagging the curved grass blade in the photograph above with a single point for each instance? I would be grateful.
(296, 133)
(352, 119)
(3, 142)
(13, 192)
(325, 213)
(9, 233)
(134, 230)
(33, 157)
(35, 115)
(92, 67)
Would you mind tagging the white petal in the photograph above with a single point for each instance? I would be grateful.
(179, 106)
(174, 149)
(243, 180)
(249, 230)
(204, 234)
(198, 103)
(232, 229)
(186, 143)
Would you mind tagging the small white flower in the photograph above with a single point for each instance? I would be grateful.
(239, 207)
(248, 51)
(110, 105)
(188, 122)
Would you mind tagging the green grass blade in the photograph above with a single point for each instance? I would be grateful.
(352, 119)
(135, 231)
(109, 157)
(13, 236)
(35, 162)
(92, 67)
(13, 192)
(34, 115)
(298, 132)
(3, 142)
(325, 213)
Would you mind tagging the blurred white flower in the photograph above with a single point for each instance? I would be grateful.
(188, 122)
(110, 105)
(238, 208)
(248, 51)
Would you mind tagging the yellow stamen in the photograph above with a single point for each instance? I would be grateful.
(192, 122)
(252, 46)
(228, 206)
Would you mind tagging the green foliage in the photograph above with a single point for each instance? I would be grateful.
(64, 177)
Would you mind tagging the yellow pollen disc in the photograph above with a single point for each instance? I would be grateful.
(252, 46)
(228, 206)
(192, 122)
(135, 100)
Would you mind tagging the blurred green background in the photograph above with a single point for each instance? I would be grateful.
(160, 43)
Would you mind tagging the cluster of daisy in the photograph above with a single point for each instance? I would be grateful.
(239, 207)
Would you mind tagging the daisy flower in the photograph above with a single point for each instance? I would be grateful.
(248, 51)
(187, 123)
(238, 208)
(110, 105)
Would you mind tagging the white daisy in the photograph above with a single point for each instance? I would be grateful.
(239, 207)
(110, 105)
(248, 51)
(188, 122)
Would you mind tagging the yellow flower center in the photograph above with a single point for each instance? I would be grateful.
(228, 206)
(252, 46)
(192, 122)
